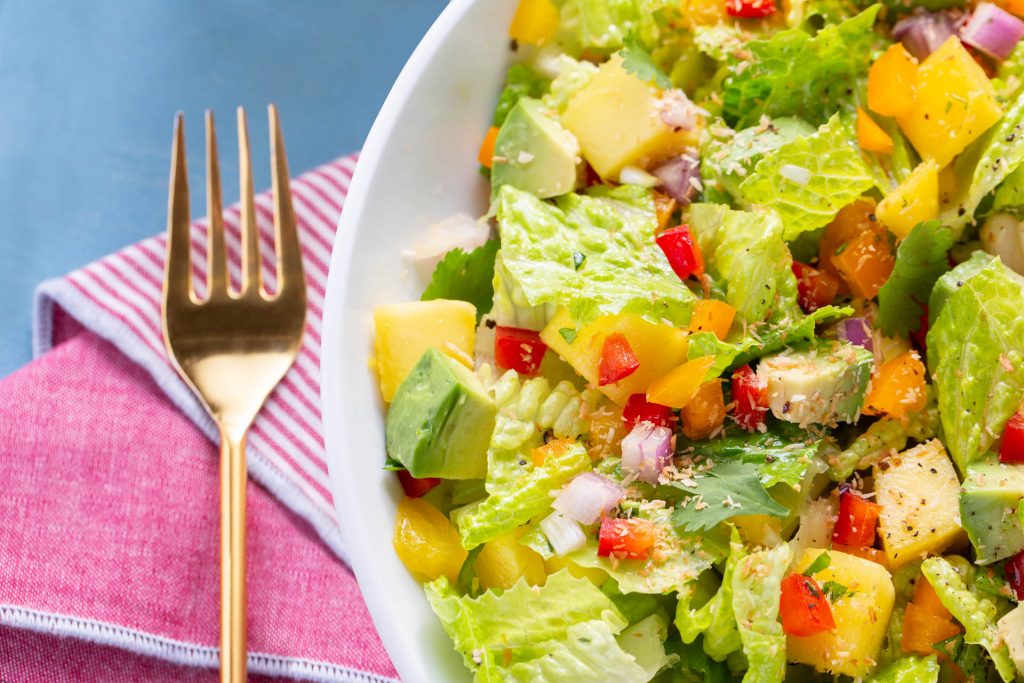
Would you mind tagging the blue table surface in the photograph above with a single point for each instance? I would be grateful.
(88, 92)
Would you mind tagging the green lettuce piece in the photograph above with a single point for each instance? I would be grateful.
(693, 665)
(948, 284)
(511, 308)
(605, 24)
(756, 589)
(524, 622)
(889, 170)
(976, 357)
(520, 81)
(880, 439)
(682, 558)
(913, 669)
(573, 76)
(976, 614)
(983, 166)
(645, 641)
(808, 179)
(781, 455)
(793, 73)
(636, 607)
(589, 653)
(1009, 195)
(921, 259)
(624, 271)
(715, 618)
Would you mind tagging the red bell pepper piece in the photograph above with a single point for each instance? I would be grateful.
(628, 539)
(857, 519)
(750, 396)
(919, 337)
(617, 360)
(638, 409)
(803, 607)
(1011, 450)
(518, 349)
(814, 288)
(1015, 575)
(682, 251)
(750, 9)
(413, 487)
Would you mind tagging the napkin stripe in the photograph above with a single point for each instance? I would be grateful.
(119, 298)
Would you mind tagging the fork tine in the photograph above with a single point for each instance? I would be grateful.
(178, 269)
(289, 254)
(250, 231)
(217, 262)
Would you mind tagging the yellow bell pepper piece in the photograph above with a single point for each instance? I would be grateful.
(534, 22)
(870, 135)
(426, 541)
(915, 200)
(711, 315)
(704, 414)
(678, 387)
(891, 82)
(898, 388)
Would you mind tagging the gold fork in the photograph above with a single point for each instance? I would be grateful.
(232, 348)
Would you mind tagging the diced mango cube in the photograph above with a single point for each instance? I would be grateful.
(426, 541)
(505, 560)
(707, 12)
(861, 616)
(659, 348)
(534, 22)
(406, 330)
(617, 120)
(916, 199)
(891, 82)
(704, 414)
(954, 104)
(919, 494)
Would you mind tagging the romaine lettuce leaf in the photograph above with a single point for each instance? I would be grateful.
(756, 589)
(912, 669)
(976, 356)
(808, 179)
(921, 259)
(589, 653)
(881, 438)
(889, 170)
(520, 81)
(976, 614)
(573, 76)
(715, 618)
(1009, 196)
(624, 271)
(605, 24)
(511, 308)
(693, 665)
(645, 641)
(793, 73)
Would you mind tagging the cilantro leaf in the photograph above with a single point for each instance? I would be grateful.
(920, 261)
(821, 563)
(833, 590)
(727, 490)
(637, 60)
(465, 277)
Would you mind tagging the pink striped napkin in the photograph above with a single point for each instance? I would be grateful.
(109, 546)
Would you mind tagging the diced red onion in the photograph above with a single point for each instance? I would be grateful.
(680, 178)
(587, 497)
(992, 30)
(646, 450)
(564, 534)
(856, 331)
(923, 33)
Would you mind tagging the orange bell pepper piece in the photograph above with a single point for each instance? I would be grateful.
(865, 263)
(870, 554)
(922, 629)
(891, 81)
(927, 599)
(852, 220)
(870, 135)
(711, 315)
(1013, 6)
(534, 22)
(704, 414)
(664, 207)
(486, 154)
(898, 387)
(679, 386)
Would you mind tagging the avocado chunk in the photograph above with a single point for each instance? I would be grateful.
(822, 383)
(534, 153)
(989, 499)
(440, 421)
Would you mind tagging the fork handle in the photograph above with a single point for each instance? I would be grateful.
(232, 557)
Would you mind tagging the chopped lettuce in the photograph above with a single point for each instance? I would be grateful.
(511, 308)
(756, 589)
(520, 81)
(714, 618)
(589, 653)
(572, 76)
(880, 439)
(976, 355)
(912, 669)
(976, 614)
(605, 24)
(921, 259)
(645, 641)
(889, 170)
(793, 73)
(1009, 195)
(624, 270)
(693, 665)
(808, 179)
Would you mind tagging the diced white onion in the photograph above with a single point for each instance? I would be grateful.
(634, 175)
(795, 174)
(588, 497)
(459, 231)
(564, 534)
(646, 451)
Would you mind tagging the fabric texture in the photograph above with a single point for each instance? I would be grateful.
(109, 551)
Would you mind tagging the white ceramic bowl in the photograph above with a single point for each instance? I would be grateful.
(418, 166)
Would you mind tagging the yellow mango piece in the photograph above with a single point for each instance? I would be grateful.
(870, 135)
(712, 315)
(861, 616)
(617, 121)
(594, 575)
(505, 560)
(426, 541)
(891, 82)
(679, 386)
(534, 22)
(705, 12)
(916, 199)
(659, 348)
(704, 414)
(954, 104)
(919, 494)
(406, 330)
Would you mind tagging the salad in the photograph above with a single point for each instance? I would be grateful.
(727, 384)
